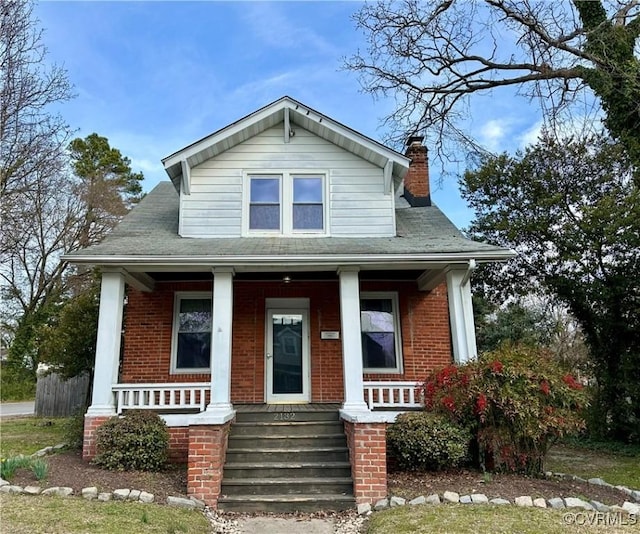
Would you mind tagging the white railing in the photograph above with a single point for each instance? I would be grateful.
(399, 395)
(185, 396)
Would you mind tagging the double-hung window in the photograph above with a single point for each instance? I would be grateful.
(286, 204)
(380, 330)
(191, 343)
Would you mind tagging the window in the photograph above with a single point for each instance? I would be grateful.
(192, 333)
(381, 346)
(264, 203)
(285, 204)
(307, 203)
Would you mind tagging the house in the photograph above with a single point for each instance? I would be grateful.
(290, 286)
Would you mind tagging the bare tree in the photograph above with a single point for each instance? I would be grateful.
(433, 56)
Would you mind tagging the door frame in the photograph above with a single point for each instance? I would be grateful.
(294, 306)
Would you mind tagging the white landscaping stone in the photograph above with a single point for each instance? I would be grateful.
(631, 508)
(600, 507)
(573, 502)
(104, 497)
(381, 504)
(4, 482)
(596, 481)
(540, 502)
(624, 489)
(479, 498)
(499, 501)
(121, 494)
(556, 503)
(636, 495)
(11, 489)
(525, 500)
(146, 497)
(59, 491)
(181, 502)
(134, 494)
(579, 479)
(90, 493)
(451, 496)
(434, 498)
(32, 490)
(200, 505)
(397, 501)
(364, 508)
(418, 500)
(615, 508)
(465, 499)
(59, 446)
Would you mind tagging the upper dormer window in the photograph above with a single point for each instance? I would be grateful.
(287, 203)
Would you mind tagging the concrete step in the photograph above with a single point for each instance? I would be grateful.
(293, 454)
(287, 486)
(292, 416)
(274, 470)
(285, 441)
(285, 503)
(269, 428)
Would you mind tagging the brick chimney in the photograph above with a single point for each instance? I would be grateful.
(416, 181)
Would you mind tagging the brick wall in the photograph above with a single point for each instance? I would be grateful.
(207, 450)
(149, 316)
(179, 444)
(368, 458)
(91, 424)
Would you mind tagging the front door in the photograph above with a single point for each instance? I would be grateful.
(287, 354)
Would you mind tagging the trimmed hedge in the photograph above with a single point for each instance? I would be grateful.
(137, 441)
(423, 441)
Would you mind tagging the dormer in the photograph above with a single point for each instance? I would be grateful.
(287, 170)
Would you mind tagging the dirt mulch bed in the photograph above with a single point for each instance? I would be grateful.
(411, 485)
(68, 469)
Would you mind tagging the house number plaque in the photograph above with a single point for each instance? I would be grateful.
(333, 334)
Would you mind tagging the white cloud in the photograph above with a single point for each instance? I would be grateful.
(493, 132)
(531, 135)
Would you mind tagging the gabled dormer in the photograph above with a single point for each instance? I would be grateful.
(287, 170)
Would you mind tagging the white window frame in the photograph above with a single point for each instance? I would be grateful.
(178, 296)
(395, 310)
(286, 201)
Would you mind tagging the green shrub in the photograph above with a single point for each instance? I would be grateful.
(74, 431)
(137, 441)
(8, 466)
(517, 400)
(40, 468)
(422, 441)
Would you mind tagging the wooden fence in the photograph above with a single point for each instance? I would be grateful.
(56, 397)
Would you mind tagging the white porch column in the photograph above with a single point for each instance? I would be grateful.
(351, 341)
(108, 343)
(220, 409)
(463, 334)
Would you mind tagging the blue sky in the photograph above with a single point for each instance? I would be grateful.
(153, 77)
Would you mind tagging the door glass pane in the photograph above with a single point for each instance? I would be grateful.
(287, 353)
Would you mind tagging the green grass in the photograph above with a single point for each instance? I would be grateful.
(615, 468)
(471, 519)
(27, 435)
(22, 514)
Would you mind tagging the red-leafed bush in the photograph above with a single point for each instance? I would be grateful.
(516, 400)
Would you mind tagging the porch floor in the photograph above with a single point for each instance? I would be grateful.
(273, 408)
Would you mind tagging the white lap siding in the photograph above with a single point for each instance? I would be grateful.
(358, 205)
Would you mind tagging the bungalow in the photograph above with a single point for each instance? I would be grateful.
(278, 302)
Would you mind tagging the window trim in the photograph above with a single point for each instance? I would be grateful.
(395, 310)
(177, 297)
(286, 202)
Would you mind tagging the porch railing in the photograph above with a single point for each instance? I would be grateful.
(398, 395)
(170, 397)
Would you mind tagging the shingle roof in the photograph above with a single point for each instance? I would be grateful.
(150, 231)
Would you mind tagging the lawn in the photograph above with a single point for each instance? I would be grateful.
(615, 468)
(26, 435)
(472, 519)
(23, 514)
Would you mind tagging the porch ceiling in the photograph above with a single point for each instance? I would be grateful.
(296, 276)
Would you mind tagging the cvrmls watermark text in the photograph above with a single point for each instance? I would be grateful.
(599, 518)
